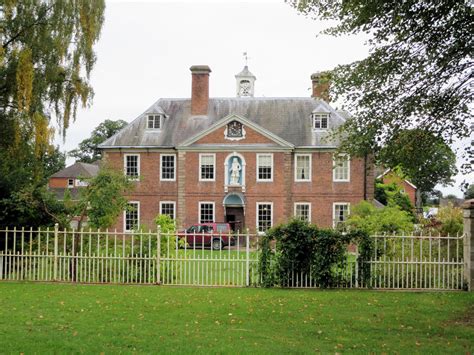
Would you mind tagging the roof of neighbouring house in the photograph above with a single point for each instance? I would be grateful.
(389, 170)
(287, 118)
(77, 170)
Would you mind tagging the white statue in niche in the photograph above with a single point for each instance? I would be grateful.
(235, 172)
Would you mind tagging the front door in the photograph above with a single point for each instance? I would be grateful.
(235, 217)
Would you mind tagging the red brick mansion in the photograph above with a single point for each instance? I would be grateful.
(252, 162)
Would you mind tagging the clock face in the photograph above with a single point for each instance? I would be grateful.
(234, 129)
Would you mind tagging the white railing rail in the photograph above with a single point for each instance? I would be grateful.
(153, 257)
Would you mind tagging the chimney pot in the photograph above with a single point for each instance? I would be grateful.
(200, 90)
(320, 84)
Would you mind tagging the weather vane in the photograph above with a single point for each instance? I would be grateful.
(246, 58)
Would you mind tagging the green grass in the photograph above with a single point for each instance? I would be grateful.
(59, 318)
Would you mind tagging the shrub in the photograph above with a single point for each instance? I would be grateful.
(303, 249)
(450, 219)
(391, 219)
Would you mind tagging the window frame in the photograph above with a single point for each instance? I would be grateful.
(200, 203)
(132, 177)
(125, 217)
(154, 115)
(303, 204)
(200, 166)
(70, 186)
(257, 215)
(334, 167)
(259, 155)
(170, 203)
(334, 224)
(310, 174)
(174, 167)
(318, 116)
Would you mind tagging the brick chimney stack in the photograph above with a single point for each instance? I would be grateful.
(320, 82)
(200, 90)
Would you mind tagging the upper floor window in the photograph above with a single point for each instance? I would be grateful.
(341, 169)
(303, 167)
(320, 120)
(168, 167)
(154, 121)
(303, 211)
(264, 167)
(207, 163)
(168, 208)
(131, 216)
(132, 165)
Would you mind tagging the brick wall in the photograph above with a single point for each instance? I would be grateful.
(187, 191)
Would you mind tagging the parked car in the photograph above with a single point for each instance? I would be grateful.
(214, 235)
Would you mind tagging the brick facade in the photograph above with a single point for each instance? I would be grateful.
(187, 191)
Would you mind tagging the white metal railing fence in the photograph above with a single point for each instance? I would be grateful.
(152, 257)
(142, 257)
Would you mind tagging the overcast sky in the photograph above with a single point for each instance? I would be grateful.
(146, 49)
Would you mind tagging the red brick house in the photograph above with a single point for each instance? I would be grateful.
(253, 162)
(389, 177)
(70, 178)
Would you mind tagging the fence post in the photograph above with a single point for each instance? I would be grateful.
(357, 265)
(247, 261)
(55, 270)
(158, 256)
(469, 244)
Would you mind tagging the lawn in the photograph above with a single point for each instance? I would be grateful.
(91, 318)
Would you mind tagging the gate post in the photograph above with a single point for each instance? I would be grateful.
(469, 244)
(247, 261)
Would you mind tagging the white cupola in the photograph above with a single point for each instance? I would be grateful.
(245, 81)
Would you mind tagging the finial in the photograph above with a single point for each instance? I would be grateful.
(246, 58)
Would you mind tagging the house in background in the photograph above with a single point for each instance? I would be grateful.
(251, 162)
(69, 178)
(389, 176)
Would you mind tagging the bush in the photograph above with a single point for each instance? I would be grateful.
(303, 249)
(391, 219)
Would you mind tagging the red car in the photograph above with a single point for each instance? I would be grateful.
(215, 235)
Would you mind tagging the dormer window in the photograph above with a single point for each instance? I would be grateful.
(320, 120)
(154, 121)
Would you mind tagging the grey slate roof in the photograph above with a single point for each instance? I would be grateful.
(288, 118)
(78, 170)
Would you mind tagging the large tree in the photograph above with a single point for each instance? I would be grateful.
(46, 57)
(88, 151)
(419, 73)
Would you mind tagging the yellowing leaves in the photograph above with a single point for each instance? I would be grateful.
(24, 80)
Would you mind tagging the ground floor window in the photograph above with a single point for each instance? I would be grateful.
(206, 212)
(132, 216)
(341, 212)
(168, 208)
(303, 211)
(264, 216)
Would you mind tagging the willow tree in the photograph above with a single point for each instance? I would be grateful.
(46, 57)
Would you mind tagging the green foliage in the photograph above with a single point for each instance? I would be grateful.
(451, 219)
(391, 195)
(469, 194)
(46, 58)
(418, 72)
(88, 151)
(302, 248)
(102, 200)
(391, 219)
(424, 158)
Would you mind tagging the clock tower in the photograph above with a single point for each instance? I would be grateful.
(245, 81)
